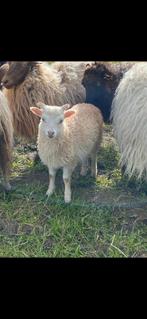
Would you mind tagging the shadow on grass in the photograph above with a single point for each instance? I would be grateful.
(110, 186)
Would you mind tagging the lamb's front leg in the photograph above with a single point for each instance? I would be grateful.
(67, 172)
(52, 175)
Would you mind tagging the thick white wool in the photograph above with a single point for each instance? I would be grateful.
(81, 133)
(129, 114)
(6, 127)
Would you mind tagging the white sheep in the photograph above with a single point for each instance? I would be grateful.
(67, 137)
(129, 114)
(6, 140)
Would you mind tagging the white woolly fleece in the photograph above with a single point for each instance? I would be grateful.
(129, 114)
(81, 133)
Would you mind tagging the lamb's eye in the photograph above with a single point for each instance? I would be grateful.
(43, 119)
(60, 121)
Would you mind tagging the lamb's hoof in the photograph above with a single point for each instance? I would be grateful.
(67, 200)
(49, 192)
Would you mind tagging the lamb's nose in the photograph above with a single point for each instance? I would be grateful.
(51, 134)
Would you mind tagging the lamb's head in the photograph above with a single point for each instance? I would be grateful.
(16, 72)
(52, 118)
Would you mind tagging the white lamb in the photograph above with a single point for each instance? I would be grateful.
(67, 137)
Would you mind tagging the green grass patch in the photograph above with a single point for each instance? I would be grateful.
(33, 226)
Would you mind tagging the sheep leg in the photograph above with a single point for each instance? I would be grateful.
(6, 183)
(52, 175)
(84, 167)
(67, 172)
(94, 164)
(5, 159)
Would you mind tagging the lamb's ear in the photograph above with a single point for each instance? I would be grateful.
(40, 105)
(66, 107)
(36, 111)
(68, 113)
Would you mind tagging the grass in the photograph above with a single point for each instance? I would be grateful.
(32, 226)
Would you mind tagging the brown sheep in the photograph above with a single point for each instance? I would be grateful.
(28, 82)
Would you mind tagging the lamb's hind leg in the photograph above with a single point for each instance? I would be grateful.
(84, 167)
(94, 164)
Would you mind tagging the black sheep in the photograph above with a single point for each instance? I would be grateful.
(100, 81)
